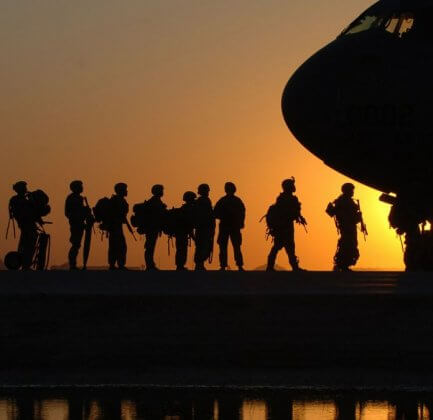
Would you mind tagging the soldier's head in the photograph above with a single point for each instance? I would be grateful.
(76, 187)
(230, 188)
(121, 189)
(288, 185)
(189, 196)
(348, 189)
(203, 190)
(157, 190)
(20, 187)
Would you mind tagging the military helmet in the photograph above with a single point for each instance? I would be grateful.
(76, 186)
(288, 185)
(20, 186)
(120, 187)
(230, 188)
(189, 196)
(203, 189)
(347, 187)
(157, 190)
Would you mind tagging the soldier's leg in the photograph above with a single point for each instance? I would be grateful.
(347, 253)
(236, 240)
(26, 247)
(75, 240)
(122, 250)
(277, 245)
(223, 240)
(149, 249)
(200, 248)
(181, 251)
(339, 254)
(209, 242)
(353, 252)
(112, 249)
(289, 246)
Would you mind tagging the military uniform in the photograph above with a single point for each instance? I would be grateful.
(204, 230)
(284, 235)
(157, 210)
(230, 210)
(22, 210)
(116, 239)
(76, 212)
(348, 216)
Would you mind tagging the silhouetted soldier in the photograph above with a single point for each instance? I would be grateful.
(204, 227)
(116, 239)
(347, 216)
(405, 216)
(78, 213)
(156, 211)
(230, 210)
(286, 210)
(184, 229)
(22, 210)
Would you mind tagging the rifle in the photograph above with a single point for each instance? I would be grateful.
(90, 219)
(301, 220)
(130, 229)
(363, 225)
(11, 218)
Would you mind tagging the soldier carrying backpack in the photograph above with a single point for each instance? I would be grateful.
(28, 208)
(149, 219)
(280, 219)
(347, 215)
(204, 227)
(112, 215)
(80, 220)
(230, 210)
(182, 224)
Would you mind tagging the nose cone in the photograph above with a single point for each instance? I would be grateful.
(363, 106)
(307, 101)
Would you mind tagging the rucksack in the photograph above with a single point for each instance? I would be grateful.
(171, 223)
(40, 200)
(140, 218)
(276, 218)
(103, 212)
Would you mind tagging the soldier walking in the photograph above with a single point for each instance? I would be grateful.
(347, 216)
(281, 217)
(79, 215)
(23, 211)
(184, 229)
(116, 239)
(230, 210)
(204, 227)
(155, 212)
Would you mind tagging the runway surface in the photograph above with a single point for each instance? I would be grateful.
(296, 330)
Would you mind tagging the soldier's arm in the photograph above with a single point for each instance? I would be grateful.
(243, 212)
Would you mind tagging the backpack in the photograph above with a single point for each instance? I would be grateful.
(276, 218)
(140, 217)
(103, 212)
(40, 202)
(172, 220)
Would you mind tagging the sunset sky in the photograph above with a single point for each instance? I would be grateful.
(172, 92)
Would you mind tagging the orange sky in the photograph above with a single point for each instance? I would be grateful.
(172, 92)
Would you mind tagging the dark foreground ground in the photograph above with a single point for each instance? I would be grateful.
(301, 331)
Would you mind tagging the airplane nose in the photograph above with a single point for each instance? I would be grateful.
(307, 99)
(327, 105)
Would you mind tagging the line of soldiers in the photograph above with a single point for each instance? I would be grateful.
(194, 221)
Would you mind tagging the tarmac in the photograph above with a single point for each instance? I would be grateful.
(312, 330)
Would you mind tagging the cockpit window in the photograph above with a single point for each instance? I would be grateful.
(398, 24)
(364, 23)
